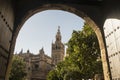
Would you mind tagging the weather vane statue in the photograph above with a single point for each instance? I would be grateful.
(58, 28)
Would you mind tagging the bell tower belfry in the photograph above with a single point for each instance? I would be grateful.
(57, 48)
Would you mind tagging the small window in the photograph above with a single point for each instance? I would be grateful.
(36, 66)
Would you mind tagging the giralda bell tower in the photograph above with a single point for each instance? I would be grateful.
(58, 49)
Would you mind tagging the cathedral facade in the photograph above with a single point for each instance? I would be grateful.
(38, 66)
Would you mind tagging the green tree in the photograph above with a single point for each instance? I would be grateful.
(64, 71)
(18, 69)
(52, 75)
(84, 51)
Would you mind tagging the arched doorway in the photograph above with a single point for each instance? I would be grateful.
(72, 10)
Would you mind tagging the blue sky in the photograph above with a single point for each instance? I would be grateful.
(40, 30)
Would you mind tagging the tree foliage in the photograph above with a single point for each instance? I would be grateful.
(18, 69)
(84, 51)
(52, 75)
(84, 60)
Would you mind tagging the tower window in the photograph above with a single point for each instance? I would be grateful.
(36, 66)
(57, 47)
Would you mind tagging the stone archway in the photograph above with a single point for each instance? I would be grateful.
(72, 10)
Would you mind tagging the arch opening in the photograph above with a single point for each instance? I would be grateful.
(72, 10)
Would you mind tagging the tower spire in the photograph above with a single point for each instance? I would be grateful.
(58, 35)
(41, 51)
